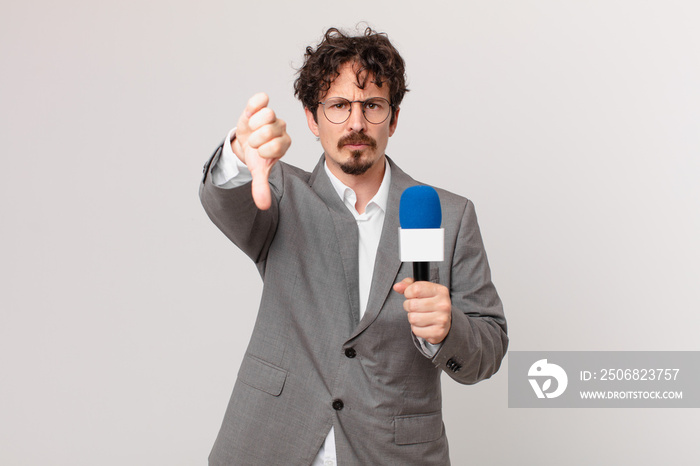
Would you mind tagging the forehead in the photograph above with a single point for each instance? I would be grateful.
(347, 85)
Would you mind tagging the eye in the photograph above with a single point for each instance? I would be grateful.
(337, 104)
(374, 104)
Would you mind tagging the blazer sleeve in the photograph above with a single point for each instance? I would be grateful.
(477, 340)
(235, 214)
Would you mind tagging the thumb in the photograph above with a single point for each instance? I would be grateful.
(401, 286)
(260, 171)
(261, 189)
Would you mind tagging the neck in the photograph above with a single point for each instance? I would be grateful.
(365, 185)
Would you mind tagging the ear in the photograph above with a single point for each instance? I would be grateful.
(313, 126)
(392, 126)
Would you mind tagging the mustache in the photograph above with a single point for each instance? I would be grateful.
(357, 138)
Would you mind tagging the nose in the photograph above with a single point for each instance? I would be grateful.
(357, 121)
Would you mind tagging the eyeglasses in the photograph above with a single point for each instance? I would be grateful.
(337, 109)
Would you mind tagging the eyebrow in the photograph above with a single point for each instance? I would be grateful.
(363, 100)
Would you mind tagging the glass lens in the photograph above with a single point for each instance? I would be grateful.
(376, 109)
(337, 109)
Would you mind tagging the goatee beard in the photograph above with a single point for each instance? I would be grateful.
(356, 166)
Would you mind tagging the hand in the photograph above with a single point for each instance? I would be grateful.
(261, 139)
(429, 308)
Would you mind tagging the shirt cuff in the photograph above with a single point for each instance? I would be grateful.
(429, 349)
(229, 172)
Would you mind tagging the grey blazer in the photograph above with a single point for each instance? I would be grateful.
(312, 363)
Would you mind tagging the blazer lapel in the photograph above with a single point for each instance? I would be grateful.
(346, 234)
(387, 263)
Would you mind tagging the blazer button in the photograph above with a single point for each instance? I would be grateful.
(338, 404)
(350, 353)
(452, 365)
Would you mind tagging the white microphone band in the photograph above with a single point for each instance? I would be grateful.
(422, 244)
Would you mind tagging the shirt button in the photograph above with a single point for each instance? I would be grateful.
(350, 353)
(338, 404)
(329, 463)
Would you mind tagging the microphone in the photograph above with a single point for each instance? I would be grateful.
(421, 240)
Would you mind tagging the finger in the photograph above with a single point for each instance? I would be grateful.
(255, 103)
(429, 319)
(416, 305)
(262, 117)
(275, 148)
(401, 286)
(421, 290)
(427, 305)
(418, 320)
(267, 133)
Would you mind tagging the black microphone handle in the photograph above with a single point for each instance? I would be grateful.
(421, 271)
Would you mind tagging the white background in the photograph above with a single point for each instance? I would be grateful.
(572, 125)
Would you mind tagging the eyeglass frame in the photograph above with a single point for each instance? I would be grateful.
(363, 102)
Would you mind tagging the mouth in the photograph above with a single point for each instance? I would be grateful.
(356, 146)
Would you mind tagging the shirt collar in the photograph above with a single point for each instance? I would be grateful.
(380, 199)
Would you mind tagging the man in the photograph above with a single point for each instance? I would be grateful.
(345, 358)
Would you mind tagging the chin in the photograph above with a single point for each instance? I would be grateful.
(356, 165)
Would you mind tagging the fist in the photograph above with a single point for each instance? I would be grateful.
(428, 307)
(261, 139)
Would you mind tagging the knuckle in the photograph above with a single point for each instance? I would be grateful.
(260, 119)
(265, 133)
(266, 115)
(253, 141)
(412, 290)
(275, 145)
(258, 137)
(242, 125)
(263, 151)
(272, 148)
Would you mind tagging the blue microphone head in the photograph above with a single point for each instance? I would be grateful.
(420, 208)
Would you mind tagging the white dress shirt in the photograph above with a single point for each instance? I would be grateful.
(230, 172)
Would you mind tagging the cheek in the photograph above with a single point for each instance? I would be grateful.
(382, 136)
(329, 143)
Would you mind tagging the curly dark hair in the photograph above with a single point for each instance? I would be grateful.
(374, 53)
